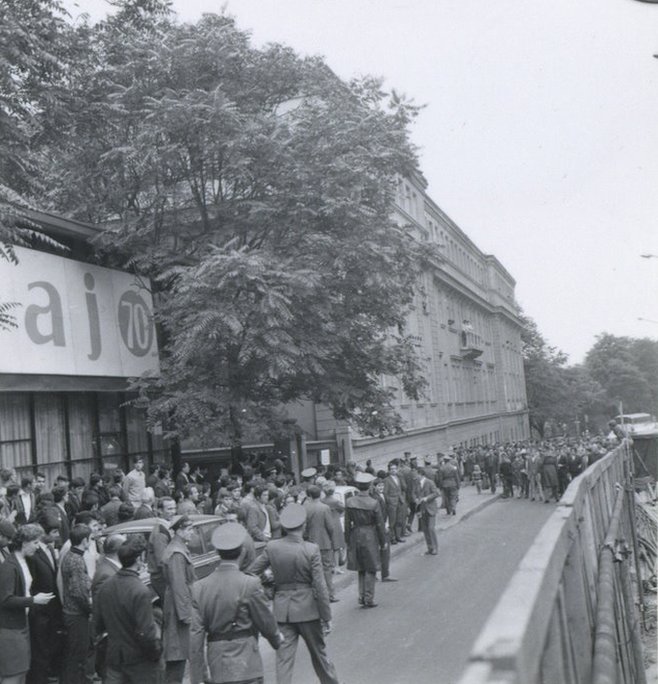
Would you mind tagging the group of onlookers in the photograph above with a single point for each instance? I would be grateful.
(539, 470)
(56, 598)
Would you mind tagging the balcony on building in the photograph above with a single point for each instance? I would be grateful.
(472, 344)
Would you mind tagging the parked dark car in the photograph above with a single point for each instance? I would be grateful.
(204, 556)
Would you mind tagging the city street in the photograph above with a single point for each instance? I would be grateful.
(425, 624)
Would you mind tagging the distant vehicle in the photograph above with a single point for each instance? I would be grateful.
(204, 556)
(638, 424)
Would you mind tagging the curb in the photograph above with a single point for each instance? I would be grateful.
(416, 538)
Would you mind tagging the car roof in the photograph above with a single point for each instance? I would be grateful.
(147, 524)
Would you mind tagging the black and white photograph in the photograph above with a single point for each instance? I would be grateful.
(328, 342)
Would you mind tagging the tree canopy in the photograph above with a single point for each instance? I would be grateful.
(628, 370)
(255, 189)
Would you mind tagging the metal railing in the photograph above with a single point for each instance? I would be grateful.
(568, 615)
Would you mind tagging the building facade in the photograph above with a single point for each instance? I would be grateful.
(81, 332)
(465, 323)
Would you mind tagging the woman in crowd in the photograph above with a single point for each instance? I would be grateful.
(15, 603)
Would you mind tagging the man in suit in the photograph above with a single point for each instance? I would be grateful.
(109, 563)
(76, 489)
(320, 530)
(108, 566)
(145, 510)
(60, 496)
(411, 479)
(229, 610)
(428, 508)
(183, 477)
(123, 609)
(46, 621)
(301, 600)
(377, 493)
(110, 511)
(395, 494)
(25, 502)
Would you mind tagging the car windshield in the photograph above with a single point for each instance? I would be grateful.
(201, 540)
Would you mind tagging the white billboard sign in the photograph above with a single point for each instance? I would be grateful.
(75, 319)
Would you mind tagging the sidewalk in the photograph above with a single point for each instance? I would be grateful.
(470, 502)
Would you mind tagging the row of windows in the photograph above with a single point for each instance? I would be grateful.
(74, 433)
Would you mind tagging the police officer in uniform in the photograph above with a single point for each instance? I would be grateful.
(301, 598)
(229, 610)
(365, 536)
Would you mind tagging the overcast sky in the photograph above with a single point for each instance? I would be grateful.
(539, 137)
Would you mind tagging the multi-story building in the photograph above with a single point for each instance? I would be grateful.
(465, 321)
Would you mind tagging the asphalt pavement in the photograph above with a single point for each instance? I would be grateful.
(425, 624)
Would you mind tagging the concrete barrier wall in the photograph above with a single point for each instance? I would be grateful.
(543, 629)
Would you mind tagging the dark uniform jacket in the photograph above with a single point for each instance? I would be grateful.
(300, 593)
(123, 610)
(229, 608)
(364, 533)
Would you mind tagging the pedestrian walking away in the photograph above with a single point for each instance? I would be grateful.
(428, 508)
(365, 537)
(229, 611)
(301, 600)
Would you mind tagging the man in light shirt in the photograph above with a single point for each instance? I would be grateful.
(135, 482)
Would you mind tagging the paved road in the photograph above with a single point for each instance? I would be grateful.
(425, 624)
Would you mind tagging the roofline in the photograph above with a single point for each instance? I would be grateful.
(61, 225)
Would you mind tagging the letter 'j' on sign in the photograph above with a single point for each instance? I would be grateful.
(76, 319)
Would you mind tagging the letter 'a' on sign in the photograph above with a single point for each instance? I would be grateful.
(76, 319)
(135, 323)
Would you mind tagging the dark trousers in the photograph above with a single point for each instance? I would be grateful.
(428, 523)
(135, 673)
(396, 520)
(385, 557)
(450, 497)
(366, 587)
(311, 632)
(175, 671)
(78, 647)
(46, 644)
(327, 556)
(411, 505)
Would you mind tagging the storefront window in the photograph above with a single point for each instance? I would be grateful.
(136, 428)
(15, 437)
(49, 434)
(81, 434)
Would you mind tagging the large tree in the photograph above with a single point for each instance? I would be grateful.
(255, 188)
(628, 369)
(39, 53)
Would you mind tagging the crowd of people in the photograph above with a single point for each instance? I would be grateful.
(73, 610)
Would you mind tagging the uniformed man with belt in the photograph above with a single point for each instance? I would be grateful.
(365, 536)
(229, 610)
(301, 598)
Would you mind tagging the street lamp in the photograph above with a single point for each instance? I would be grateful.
(649, 256)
